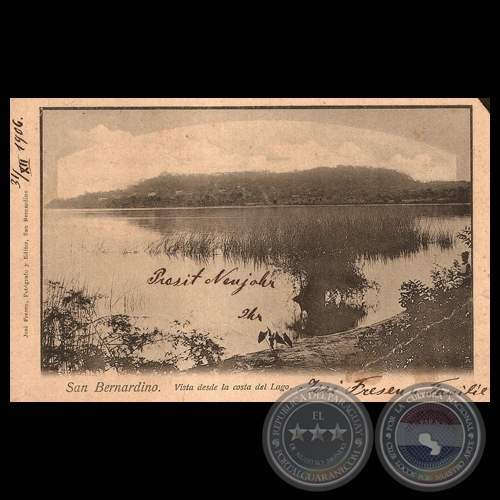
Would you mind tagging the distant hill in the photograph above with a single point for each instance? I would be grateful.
(318, 186)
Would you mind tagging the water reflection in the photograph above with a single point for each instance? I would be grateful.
(320, 247)
(332, 294)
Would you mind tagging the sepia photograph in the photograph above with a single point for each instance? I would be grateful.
(255, 239)
(270, 243)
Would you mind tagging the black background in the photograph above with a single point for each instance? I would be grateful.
(241, 454)
(192, 450)
(486, 102)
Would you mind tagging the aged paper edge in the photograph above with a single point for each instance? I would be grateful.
(26, 380)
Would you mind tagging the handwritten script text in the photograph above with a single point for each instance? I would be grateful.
(227, 278)
(22, 172)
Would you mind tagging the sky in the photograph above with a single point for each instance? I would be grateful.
(104, 149)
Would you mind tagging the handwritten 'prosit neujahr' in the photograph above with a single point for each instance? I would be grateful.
(227, 278)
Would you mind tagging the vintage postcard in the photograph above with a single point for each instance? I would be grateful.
(231, 249)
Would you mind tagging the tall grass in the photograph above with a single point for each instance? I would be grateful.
(275, 240)
(76, 338)
(430, 232)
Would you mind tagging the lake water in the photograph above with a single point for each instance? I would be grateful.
(106, 251)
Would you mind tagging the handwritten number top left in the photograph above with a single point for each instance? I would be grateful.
(23, 164)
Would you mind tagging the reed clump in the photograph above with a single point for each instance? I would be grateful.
(273, 240)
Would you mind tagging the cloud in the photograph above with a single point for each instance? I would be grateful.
(434, 165)
(114, 159)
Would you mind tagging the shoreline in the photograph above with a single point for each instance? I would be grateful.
(259, 206)
(434, 341)
(322, 352)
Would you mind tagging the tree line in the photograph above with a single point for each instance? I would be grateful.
(319, 186)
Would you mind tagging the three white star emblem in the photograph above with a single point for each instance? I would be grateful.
(317, 433)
